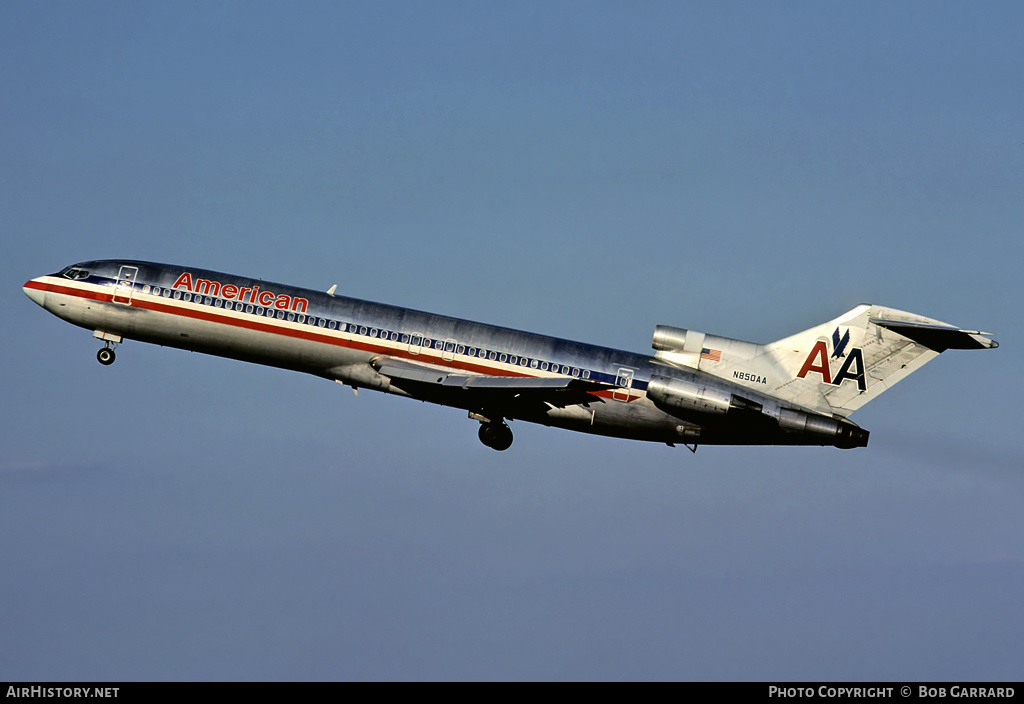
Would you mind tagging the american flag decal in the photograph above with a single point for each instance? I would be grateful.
(711, 355)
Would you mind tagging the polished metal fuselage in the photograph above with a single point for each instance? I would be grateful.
(344, 339)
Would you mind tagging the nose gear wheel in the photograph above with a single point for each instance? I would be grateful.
(106, 355)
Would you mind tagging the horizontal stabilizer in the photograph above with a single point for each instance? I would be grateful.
(938, 337)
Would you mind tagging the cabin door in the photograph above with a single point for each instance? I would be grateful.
(623, 382)
(125, 284)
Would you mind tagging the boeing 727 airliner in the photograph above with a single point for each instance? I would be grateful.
(696, 389)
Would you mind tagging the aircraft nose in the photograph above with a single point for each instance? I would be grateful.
(34, 290)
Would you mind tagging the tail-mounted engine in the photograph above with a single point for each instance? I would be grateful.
(689, 348)
(708, 402)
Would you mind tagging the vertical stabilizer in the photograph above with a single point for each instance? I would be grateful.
(838, 366)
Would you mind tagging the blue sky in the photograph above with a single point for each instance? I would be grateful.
(588, 170)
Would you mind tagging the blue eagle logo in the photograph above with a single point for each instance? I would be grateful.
(839, 344)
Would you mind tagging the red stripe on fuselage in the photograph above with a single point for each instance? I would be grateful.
(311, 336)
(67, 291)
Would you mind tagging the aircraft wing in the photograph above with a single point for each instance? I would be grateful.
(558, 391)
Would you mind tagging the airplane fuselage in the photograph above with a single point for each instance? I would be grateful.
(494, 373)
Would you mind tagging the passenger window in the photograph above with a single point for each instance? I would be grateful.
(503, 358)
(482, 354)
(177, 295)
(575, 372)
(217, 303)
(533, 363)
(544, 366)
(280, 315)
(302, 318)
(461, 350)
(291, 316)
(331, 325)
(362, 330)
(248, 309)
(156, 290)
(523, 361)
(322, 322)
(586, 373)
(513, 360)
(405, 339)
(145, 289)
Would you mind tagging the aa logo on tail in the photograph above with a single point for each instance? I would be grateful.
(852, 367)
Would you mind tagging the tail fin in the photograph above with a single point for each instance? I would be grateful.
(839, 366)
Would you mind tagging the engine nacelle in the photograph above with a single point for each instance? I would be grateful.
(681, 396)
(707, 402)
(841, 433)
(689, 347)
(670, 339)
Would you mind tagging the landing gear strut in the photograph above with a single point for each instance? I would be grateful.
(497, 436)
(106, 355)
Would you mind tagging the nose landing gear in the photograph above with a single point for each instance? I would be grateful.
(110, 340)
(497, 436)
(106, 355)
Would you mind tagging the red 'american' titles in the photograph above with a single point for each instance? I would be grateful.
(244, 294)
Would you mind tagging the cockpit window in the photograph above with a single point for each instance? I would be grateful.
(75, 273)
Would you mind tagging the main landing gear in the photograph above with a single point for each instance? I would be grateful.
(106, 355)
(497, 436)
